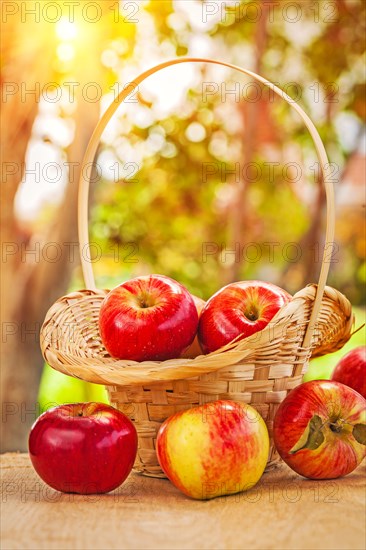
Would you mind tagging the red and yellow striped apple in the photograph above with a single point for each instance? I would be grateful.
(238, 309)
(351, 370)
(320, 429)
(214, 449)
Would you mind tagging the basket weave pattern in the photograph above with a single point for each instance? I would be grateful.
(259, 370)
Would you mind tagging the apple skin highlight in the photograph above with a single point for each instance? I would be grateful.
(238, 309)
(148, 318)
(83, 448)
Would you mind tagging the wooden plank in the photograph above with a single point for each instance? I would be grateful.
(283, 511)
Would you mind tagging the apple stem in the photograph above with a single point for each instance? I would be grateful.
(145, 300)
(252, 314)
(337, 426)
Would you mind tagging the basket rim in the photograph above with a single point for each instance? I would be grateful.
(111, 371)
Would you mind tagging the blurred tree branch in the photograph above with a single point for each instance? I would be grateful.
(29, 288)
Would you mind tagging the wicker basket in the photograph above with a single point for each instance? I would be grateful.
(259, 370)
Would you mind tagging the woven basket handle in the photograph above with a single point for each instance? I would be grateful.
(95, 139)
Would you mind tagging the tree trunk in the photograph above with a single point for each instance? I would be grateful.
(312, 242)
(249, 113)
(18, 115)
(28, 289)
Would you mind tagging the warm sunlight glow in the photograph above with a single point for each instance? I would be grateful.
(66, 30)
(65, 52)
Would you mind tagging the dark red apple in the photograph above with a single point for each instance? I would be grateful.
(351, 370)
(320, 429)
(238, 309)
(148, 318)
(83, 447)
(195, 348)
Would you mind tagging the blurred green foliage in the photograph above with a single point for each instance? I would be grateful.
(322, 367)
(167, 217)
(57, 388)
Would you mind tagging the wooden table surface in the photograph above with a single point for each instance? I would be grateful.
(284, 511)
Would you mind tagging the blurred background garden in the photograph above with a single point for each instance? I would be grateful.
(201, 175)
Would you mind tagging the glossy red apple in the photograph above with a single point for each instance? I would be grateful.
(195, 348)
(238, 309)
(351, 370)
(214, 449)
(83, 447)
(148, 318)
(320, 429)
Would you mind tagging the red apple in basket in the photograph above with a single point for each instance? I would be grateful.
(320, 429)
(148, 318)
(83, 447)
(195, 348)
(238, 309)
(213, 450)
(351, 370)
